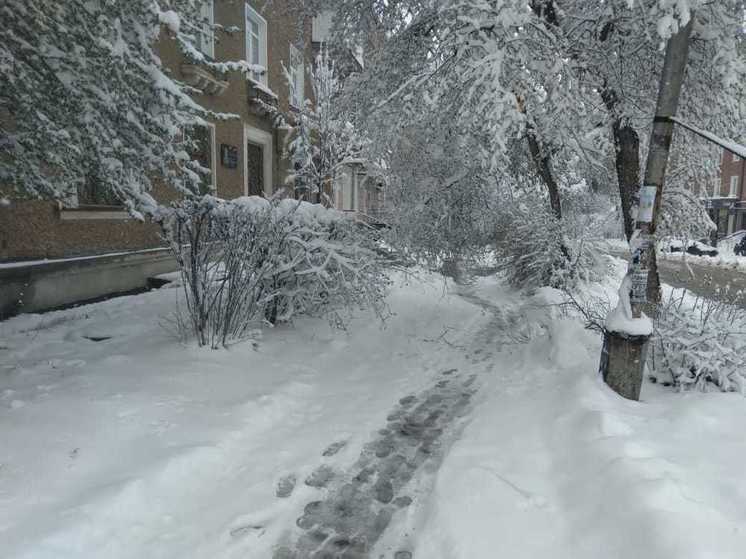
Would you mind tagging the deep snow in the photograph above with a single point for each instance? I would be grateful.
(475, 413)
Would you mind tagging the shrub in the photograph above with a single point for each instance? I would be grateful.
(247, 260)
(535, 249)
(699, 344)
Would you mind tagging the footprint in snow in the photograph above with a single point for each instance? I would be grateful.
(334, 448)
(320, 477)
(359, 504)
(285, 486)
(242, 531)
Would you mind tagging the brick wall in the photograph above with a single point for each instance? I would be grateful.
(35, 230)
(731, 167)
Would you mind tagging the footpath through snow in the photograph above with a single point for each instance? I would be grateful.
(471, 425)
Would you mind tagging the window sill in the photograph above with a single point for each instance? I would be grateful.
(202, 79)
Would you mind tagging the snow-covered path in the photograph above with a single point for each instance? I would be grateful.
(553, 464)
(137, 445)
(361, 503)
(471, 426)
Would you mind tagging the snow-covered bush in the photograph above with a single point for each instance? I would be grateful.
(324, 141)
(536, 249)
(248, 260)
(699, 344)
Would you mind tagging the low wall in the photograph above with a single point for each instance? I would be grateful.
(48, 284)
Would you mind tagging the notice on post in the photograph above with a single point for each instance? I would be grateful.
(647, 203)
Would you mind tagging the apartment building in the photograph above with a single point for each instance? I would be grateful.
(727, 206)
(54, 253)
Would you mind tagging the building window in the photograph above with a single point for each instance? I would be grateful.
(207, 32)
(734, 187)
(736, 158)
(256, 43)
(716, 190)
(296, 77)
(201, 148)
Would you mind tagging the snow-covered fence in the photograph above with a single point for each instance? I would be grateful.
(247, 260)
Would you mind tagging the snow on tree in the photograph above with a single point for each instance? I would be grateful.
(325, 140)
(84, 96)
(546, 81)
(250, 260)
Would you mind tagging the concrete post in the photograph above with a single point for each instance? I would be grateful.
(623, 356)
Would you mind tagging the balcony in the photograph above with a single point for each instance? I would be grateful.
(262, 100)
(202, 79)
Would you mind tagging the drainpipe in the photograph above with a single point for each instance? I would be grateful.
(741, 191)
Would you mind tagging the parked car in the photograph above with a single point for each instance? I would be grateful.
(729, 243)
(696, 248)
(740, 248)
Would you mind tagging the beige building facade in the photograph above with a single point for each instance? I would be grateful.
(246, 154)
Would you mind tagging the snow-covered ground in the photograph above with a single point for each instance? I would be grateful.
(726, 258)
(553, 464)
(472, 424)
(723, 259)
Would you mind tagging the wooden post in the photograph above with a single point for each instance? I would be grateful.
(623, 356)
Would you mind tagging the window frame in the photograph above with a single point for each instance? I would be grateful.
(736, 159)
(207, 31)
(252, 14)
(297, 69)
(265, 139)
(733, 192)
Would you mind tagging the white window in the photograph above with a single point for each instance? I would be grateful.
(321, 26)
(297, 71)
(346, 188)
(207, 34)
(716, 190)
(256, 43)
(734, 187)
(736, 158)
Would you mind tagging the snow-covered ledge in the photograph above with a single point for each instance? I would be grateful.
(94, 213)
(198, 77)
(262, 100)
(39, 285)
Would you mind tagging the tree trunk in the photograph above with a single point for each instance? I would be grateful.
(545, 9)
(627, 144)
(543, 166)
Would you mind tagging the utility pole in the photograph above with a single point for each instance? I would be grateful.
(628, 327)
